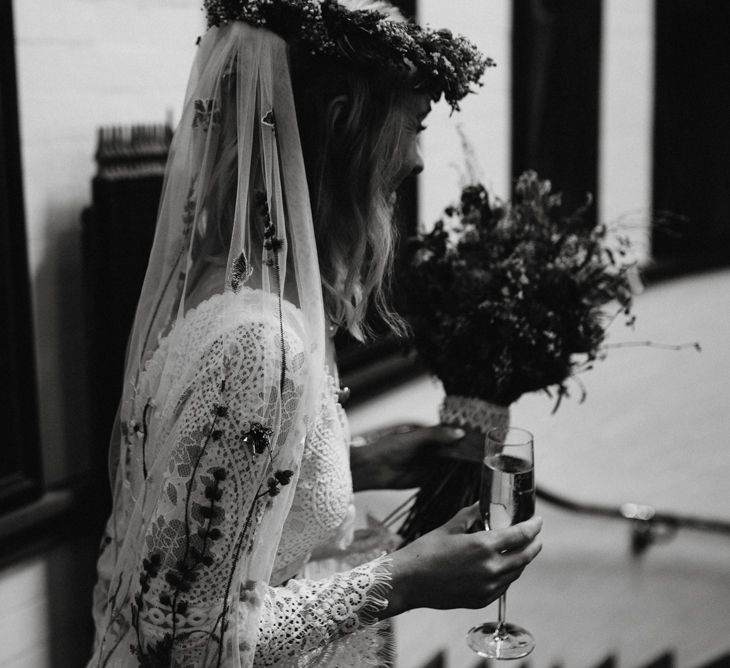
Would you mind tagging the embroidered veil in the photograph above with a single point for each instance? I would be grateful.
(234, 237)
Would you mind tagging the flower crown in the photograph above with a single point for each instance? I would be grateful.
(440, 62)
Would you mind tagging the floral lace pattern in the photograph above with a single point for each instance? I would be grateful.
(300, 620)
(322, 509)
(218, 484)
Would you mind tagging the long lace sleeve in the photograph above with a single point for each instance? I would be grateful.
(310, 622)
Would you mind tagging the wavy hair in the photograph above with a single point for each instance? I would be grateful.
(351, 125)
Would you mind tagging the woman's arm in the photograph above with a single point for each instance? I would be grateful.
(226, 474)
(451, 567)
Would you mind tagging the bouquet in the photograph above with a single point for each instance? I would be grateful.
(504, 298)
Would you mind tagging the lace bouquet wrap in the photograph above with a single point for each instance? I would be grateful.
(504, 298)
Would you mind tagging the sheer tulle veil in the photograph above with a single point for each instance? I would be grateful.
(234, 236)
(237, 143)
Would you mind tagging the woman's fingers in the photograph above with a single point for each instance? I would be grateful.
(451, 567)
(514, 537)
(516, 561)
(464, 520)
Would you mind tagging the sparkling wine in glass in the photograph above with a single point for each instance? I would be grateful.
(507, 497)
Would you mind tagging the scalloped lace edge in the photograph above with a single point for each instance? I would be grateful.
(473, 413)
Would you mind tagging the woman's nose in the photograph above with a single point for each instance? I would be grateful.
(416, 162)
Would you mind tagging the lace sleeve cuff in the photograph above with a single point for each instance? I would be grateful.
(306, 616)
(360, 595)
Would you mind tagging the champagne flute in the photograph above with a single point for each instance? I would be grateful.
(507, 497)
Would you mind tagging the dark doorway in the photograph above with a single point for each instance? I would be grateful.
(556, 48)
(692, 134)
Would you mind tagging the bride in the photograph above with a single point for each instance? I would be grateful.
(230, 462)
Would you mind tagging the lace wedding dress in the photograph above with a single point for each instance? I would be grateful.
(211, 476)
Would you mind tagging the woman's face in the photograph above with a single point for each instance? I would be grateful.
(417, 106)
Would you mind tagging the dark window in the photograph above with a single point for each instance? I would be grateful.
(556, 50)
(20, 473)
(692, 133)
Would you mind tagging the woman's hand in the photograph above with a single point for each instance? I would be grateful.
(454, 567)
(400, 458)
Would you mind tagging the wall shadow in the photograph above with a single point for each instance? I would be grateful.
(68, 453)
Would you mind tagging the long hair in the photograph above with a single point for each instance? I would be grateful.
(352, 154)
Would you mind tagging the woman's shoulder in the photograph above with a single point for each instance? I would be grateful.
(242, 315)
(248, 323)
(249, 328)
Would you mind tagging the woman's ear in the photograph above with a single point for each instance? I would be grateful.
(337, 112)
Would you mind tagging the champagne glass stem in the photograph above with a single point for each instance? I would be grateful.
(501, 621)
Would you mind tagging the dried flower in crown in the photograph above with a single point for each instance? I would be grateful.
(439, 62)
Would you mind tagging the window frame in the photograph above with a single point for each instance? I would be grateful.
(21, 479)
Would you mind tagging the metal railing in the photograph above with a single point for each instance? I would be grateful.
(648, 525)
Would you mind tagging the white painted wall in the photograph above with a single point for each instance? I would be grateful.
(45, 619)
(82, 64)
(484, 117)
(626, 118)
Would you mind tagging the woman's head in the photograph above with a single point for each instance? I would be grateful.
(363, 79)
(359, 133)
